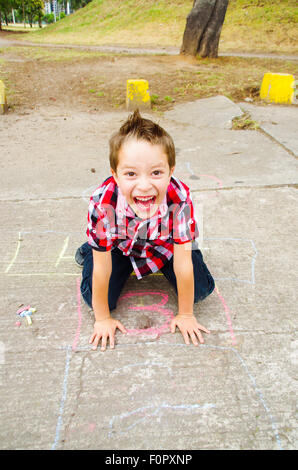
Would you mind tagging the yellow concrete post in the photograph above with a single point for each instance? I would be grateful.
(278, 88)
(137, 95)
(3, 102)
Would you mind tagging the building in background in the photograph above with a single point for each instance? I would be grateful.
(56, 7)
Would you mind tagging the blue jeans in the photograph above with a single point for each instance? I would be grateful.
(122, 268)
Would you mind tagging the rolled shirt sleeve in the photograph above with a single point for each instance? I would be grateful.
(99, 227)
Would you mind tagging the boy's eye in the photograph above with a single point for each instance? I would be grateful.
(130, 173)
(156, 172)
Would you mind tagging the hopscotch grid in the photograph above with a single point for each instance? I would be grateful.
(148, 343)
(68, 356)
(74, 348)
(60, 256)
(65, 246)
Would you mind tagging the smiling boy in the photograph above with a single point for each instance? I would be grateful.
(142, 219)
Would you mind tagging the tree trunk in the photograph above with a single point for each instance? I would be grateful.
(203, 28)
(0, 21)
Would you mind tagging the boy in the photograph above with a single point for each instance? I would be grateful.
(142, 219)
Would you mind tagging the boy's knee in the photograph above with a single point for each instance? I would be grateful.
(204, 291)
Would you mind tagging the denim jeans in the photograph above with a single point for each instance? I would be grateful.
(122, 268)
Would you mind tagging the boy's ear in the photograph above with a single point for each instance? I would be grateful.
(172, 171)
(114, 174)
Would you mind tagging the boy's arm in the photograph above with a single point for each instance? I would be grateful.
(185, 320)
(102, 270)
(105, 325)
(183, 269)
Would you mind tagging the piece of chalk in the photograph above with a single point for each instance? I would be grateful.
(18, 323)
(23, 309)
(25, 313)
(29, 321)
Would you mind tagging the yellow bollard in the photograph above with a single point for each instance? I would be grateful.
(278, 88)
(3, 102)
(137, 95)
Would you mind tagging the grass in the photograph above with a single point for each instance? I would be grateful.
(44, 54)
(90, 77)
(245, 122)
(250, 25)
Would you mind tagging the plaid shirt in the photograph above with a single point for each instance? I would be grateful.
(148, 242)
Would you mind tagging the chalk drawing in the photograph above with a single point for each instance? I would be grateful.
(233, 279)
(142, 364)
(154, 410)
(175, 345)
(63, 399)
(61, 254)
(228, 316)
(212, 177)
(87, 427)
(66, 369)
(86, 194)
(156, 307)
(185, 407)
(15, 255)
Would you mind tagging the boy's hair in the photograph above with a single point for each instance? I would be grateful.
(141, 129)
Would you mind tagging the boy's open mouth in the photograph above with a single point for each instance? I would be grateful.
(144, 202)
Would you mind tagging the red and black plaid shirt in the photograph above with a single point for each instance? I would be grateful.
(148, 242)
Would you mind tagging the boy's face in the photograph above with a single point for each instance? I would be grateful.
(143, 175)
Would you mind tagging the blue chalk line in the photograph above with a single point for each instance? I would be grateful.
(223, 348)
(63, 399)
(163, 405)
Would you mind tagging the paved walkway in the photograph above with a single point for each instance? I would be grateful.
(238, 390)
(116, 49)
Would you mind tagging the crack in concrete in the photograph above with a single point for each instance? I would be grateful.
(76, 401)
(273, 139)
(226, 188)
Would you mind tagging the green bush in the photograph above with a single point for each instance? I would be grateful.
(49, 18)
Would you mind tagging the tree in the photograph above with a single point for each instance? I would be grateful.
(76, 4)
(5, 9)
(33, 8)
(203, 28)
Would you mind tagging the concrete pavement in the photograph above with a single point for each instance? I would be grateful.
(238, 390)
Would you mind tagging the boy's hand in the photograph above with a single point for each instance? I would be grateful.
(103, 330)
(188, 325)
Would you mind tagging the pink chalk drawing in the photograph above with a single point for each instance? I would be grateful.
(214, 178)
(228, 316)
(155, 307)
